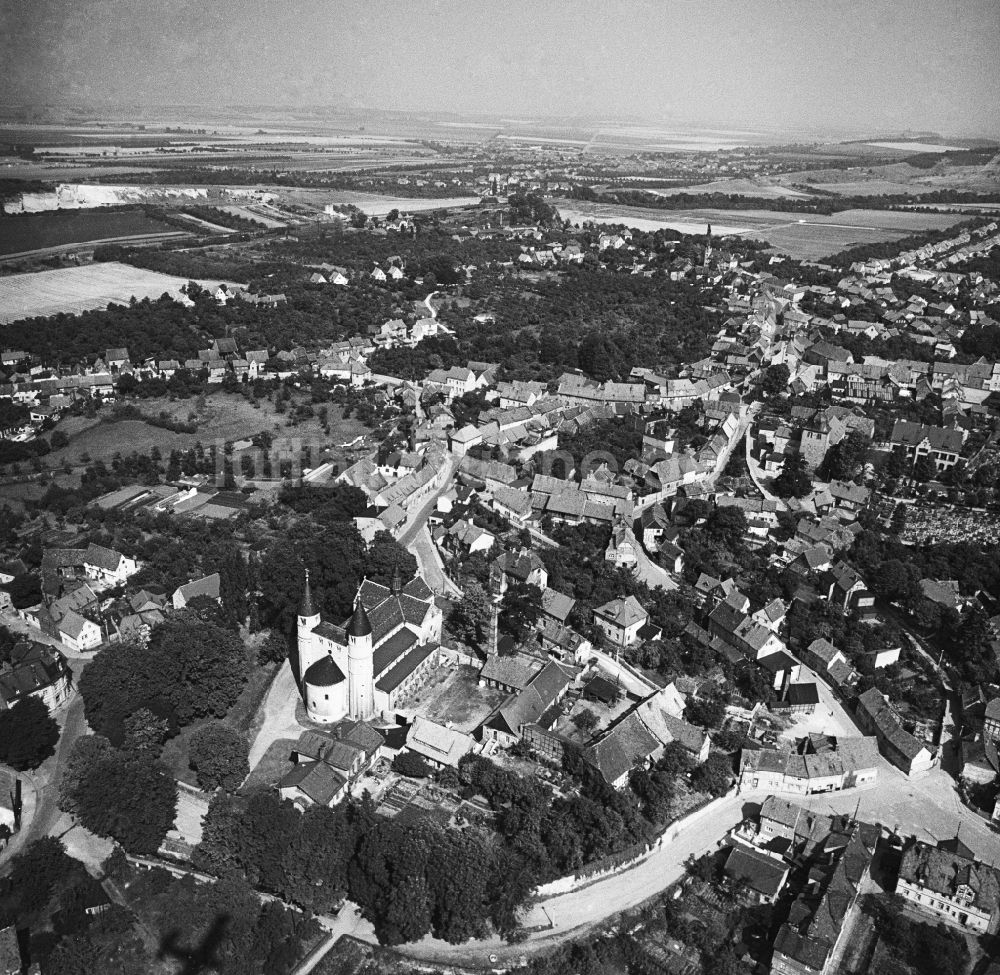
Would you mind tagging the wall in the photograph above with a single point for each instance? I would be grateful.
(639, 852)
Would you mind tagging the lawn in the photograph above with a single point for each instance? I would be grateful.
(220, 417)
(271, 768)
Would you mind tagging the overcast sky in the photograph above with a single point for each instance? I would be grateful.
(784, 64)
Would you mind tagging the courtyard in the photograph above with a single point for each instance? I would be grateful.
(452, 696)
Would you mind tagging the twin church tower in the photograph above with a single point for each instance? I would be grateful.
(365, 666)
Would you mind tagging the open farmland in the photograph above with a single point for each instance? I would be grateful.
(806, 236)
(743, 187)
(887, 220)
(31, 231)
(811, 241)
(77, 289)
(376, 205)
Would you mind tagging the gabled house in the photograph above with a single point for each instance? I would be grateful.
(108, 565)
(621, 620)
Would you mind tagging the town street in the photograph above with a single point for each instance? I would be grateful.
(415, 536)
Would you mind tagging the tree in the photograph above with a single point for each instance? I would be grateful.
(25, 590)
(924, 469)
(273, 650)
(219, 755)
(706, 713)
(585, 720)
(127, 796)
(411, 765)
(385, 558)
(28, 734)
(43, 869)
(519, 609)
(898, 524)
(844, 459)
(470, 618)
(234, 581)
(58, 440)
(775, 380)
(793, 481)
(144, 731)
(191, 669)
(713, 775)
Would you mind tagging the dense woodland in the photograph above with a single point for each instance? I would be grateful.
(47, 893)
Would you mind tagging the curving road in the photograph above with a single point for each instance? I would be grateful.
(570, 915)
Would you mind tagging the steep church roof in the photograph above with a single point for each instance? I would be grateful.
(324, 673)
(359, 625)
(307, 607)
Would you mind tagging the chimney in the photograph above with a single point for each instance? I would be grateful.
(494, 638)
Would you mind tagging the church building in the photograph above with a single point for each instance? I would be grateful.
(364, 667)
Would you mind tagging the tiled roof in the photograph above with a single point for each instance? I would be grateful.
(943, 872)
(317, 780)
(206, 586)
(405, 666)
(623, 612)
(388, 652)
(626, 744)
(760, 872)
(104, 558)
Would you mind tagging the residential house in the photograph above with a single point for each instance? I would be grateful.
(953, 887)
(34, 670)
(440, 746)
(915, 440)
(621, 620)
(876, 716)
(815, 764)
(807, 943)
(108, 565)
(762, 876)
(207, 586)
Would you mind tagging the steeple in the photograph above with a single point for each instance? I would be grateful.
(307, 608)
(396, 583)
(359, 626)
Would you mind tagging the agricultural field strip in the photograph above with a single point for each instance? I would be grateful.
(77, 289)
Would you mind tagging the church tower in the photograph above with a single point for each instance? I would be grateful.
(361, 673)
(308, 620)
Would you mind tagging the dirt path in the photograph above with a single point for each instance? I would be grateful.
(278, 711)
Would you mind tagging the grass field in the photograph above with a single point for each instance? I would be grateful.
(813, 241)
(802, 235)
(222, 418)
(888, 220)
(743, 187)
(25, 232)
(77, 289)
